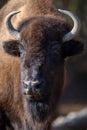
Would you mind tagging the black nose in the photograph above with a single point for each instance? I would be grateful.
(33, 86)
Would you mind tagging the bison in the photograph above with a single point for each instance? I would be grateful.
(35, 41)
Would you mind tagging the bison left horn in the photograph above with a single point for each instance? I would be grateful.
(15, 33)
(75, 30)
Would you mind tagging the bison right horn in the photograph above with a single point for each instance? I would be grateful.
(15, 33)
(75, 30)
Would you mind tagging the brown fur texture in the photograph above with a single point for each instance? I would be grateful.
(39, 51)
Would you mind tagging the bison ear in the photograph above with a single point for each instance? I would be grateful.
(12, 48)
(71, 48)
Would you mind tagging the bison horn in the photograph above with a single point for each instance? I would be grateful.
(75, 30)
(15, 33)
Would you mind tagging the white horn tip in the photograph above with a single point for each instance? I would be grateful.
(61, 10)
(15, 12)
(75, 30)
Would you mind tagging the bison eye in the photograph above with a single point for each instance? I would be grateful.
(54, 46)
(54, 56)
(54, 49)
(54, 52)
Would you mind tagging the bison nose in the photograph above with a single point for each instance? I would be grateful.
(33, 86)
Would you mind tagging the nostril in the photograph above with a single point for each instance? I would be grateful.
(27, 83)
(37, 87)
(25, 86)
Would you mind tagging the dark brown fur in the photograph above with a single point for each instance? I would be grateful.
(41, 32)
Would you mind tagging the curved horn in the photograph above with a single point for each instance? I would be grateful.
(15, 33)
(75, 30)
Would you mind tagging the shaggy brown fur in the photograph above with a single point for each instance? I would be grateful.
(40, 50)
(28, 8)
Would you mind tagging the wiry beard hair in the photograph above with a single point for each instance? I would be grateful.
(38, 110)
(36, 115)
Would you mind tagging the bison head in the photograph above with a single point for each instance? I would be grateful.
(42, 43)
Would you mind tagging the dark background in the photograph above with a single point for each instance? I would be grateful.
(75, 94)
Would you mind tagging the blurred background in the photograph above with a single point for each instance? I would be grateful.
(75, 95)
